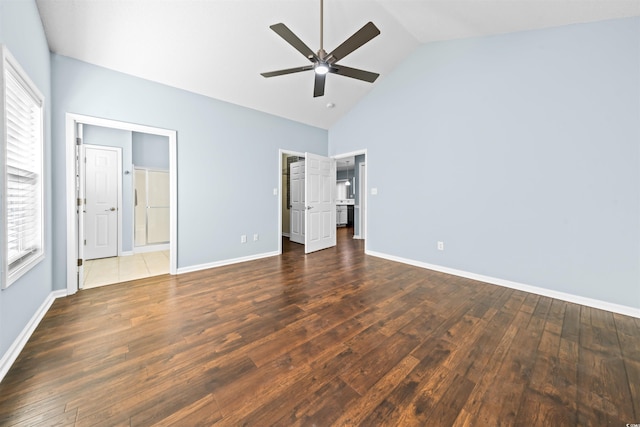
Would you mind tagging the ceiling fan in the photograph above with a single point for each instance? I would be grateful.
(323, 62)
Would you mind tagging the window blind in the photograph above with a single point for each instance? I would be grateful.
(23, 173)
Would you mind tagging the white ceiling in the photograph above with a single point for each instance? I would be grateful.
(218, 48)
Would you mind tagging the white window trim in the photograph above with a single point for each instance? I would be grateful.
(9, 277)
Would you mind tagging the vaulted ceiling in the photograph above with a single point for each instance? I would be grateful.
(218, 48)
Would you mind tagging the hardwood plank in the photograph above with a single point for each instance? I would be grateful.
(377, 362)
(334, 337)
(355, 413)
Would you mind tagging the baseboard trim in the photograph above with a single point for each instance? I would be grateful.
(226, 262)
(151, 248)
(576, 299)
(285, 235)
(14, 351)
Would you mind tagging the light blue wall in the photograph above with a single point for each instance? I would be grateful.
(98, 135)
(521, 152)
(21, 30)
(150, 151)
(227, 158)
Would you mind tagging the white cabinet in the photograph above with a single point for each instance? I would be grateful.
(341, 190)
(341, 215)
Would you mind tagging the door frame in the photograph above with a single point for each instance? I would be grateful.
(281, 153)
(82, 231)
(71, 168)
(363, 231)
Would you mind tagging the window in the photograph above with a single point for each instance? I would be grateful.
(22, 203)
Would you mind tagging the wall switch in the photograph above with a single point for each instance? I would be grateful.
(374, 191)
(243, 238)
(255, 237)
(275, 191)
(441, 246)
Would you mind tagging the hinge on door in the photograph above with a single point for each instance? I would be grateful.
(79, 202)
(85, 242)
(79, 263)
(78, 141)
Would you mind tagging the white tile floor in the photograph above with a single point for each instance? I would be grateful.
(106, 271)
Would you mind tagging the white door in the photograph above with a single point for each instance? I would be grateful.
(101, 209)
(296, 211)
(320, 188)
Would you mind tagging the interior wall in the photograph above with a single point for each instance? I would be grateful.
(150, 151)
(21, 31)
(226, 158)
(520, 152)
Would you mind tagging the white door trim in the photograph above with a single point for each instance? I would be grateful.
(363, 199)
(281, 152)
(72, 120)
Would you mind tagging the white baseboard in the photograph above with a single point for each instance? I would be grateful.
(126, 253)
(576, 299)
(151, 248)
(285, 235)
(226, 262)
(14, 351)
(357, 237)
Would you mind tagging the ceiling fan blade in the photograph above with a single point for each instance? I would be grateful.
(354, 73)
(284, 32)
(287, 71)
(362, 36)
(318, 87)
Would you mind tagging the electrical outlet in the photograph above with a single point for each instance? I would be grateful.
(255, 237)
(441, 246)
(243, 238)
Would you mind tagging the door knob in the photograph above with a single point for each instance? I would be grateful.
(309, 207)
(112, 209)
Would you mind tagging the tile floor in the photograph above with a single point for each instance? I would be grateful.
(106, 271)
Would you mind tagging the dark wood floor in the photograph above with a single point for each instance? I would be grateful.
(330, 338)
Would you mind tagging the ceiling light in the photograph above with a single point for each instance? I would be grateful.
(321, 68)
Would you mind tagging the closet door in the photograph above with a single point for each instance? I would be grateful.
(157, 207)
(140, 207)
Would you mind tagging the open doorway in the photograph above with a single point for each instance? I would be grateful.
(346, 191)
(351, 193)
(289, 166)
(354, 202)
(125, 205)
(131, 258)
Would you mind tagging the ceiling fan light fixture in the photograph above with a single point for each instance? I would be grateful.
(324, 62)
(321, 68)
